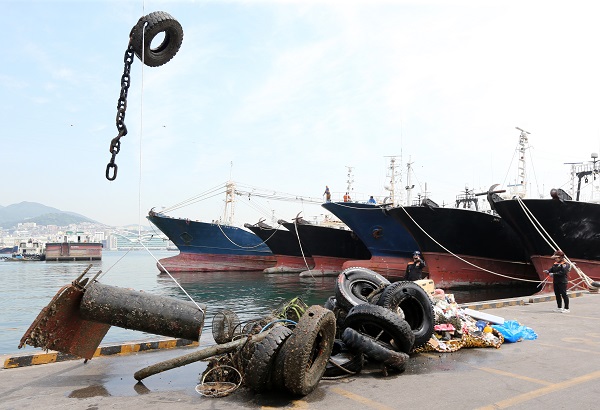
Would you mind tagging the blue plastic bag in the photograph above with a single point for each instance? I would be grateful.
(513, 331)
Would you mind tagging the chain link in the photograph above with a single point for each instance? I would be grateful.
(115, 144)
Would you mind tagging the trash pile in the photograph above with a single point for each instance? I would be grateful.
(368, 319)
(455, 329)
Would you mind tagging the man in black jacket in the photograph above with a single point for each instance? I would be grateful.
(560, 273)
(414, 269)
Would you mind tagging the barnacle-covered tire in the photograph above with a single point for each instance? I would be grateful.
(416, 306)
(374, 350)
(353, 285)
(307, 350)
(147, 28)
(381, 324)
(258, 374)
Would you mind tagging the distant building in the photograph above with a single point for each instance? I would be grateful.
(130, 241)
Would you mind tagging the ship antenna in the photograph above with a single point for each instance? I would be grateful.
(393, 177)
(350, 181)
(520, 188)
(409, 186)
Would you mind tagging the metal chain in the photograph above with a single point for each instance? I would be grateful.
(115, 144)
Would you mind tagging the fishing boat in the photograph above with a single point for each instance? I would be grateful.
(212, 246)
(290, 255)
(559, 222)
(468, 247)
(390, 244)
(330, 243)
(28, 250)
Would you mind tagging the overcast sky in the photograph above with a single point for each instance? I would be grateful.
(291, 93)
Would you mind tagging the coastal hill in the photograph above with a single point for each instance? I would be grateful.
(23, 212)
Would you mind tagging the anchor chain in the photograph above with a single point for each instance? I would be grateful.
(115, 144)
(140, 44)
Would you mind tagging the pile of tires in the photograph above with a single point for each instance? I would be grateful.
(381, 320)
(368, 318)
(293, 360)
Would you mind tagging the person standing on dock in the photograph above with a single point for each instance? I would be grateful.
(347, 197)
(327, 194)
(560, 274)
(414, 269)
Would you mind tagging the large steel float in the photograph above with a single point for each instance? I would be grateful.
(80, 314)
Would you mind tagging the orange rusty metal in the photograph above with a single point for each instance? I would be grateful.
(59, 326)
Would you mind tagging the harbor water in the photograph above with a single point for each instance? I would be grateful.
(27, 287)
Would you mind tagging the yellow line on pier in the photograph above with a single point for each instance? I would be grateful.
(296, 404)
(363, 400)
(521, 398)
(514, 375)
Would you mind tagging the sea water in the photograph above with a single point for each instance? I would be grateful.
(27, 287)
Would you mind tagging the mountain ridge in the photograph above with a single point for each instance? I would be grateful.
(22, 212)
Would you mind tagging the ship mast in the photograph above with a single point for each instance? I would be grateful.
(393, 174)
(520, 187)
(229, 200)
(349, 181)
(409, 185)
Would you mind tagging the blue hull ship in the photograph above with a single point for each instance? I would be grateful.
(390, 244)
(211, 247)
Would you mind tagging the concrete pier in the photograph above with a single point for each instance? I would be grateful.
(559, 370)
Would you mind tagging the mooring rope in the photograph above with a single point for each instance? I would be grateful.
(245, 247)
(554, 246)
(174, 280)
(462, 259)
(301, 249)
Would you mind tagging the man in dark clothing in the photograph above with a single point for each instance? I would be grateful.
(560, 273)
(414, 269)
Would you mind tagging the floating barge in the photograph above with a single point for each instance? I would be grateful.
(73, 251)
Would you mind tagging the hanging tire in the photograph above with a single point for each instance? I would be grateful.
(258, 374)
(415, 305)
(307, 350)
(382, 325)
(354, 285)
(146, 29)
(374, 350)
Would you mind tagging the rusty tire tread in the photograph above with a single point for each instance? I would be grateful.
(354, 284)
(374, 350)
(258, 374)
(416, 306)
(307, 350)
(377, 321)
(141, 39)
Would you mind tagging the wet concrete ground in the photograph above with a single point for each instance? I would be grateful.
(559, 370)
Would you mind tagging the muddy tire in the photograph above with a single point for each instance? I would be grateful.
(343, 361)
(382, 325)
(354, 285)
(259, 372)
(147, 28)
(374, 350)
(415, 305)
(307, 350)
(330, 303)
